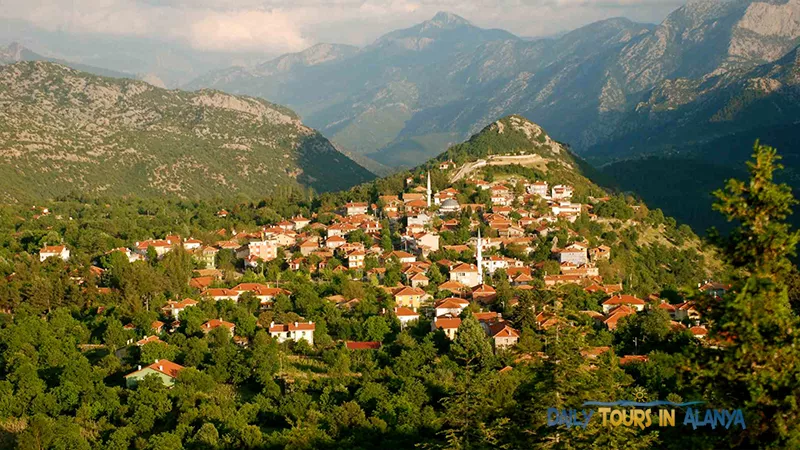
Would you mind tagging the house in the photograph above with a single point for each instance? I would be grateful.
(218, 294)
(466, 274)
(54, 251)
(216, 323)
(157, 326)
(405, 315)
(686, 310)
(627, 300)
(419, 280)
(484, 293)
(148, 340)
(166, 370)
(447, 324)
(309, 246)
(713, 289)
(293, 332)
(208, 255)
(420, 220)
(573, 254)
(537, 188)
(174, 308)
(160, 246)
(354, 208)
(452, 306)
(560, 192)
(616, 314)
(453, 286)
(300, 222)
(501, 195)
(258, 250)
(222, 213)
(192, 244)
(402, 257)
(409, 296)
(355, 259)
(699, 332)
(492, 263)
(600, 253)
(503, 336)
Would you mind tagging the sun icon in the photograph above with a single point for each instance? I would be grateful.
(639, 394)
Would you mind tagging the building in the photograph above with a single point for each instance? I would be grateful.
(450, 205)
(54, 251)
(261, 250)
(174, 308)
(560, 192)
(466, 274)
(409, 296)
(537, 188)
(599, 253)
(627, 300)
(573, 254)
(208, 255)
(293, 332)
(449, 325)
(166, 370)
(405, 315)
(217, 323)
(355, 259)
(354, 208)
(503, 336)
(452, 306)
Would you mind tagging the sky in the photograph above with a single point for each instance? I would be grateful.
(279, 26)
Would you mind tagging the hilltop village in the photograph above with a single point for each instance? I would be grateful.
(429, 256)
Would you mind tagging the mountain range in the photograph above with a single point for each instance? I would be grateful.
(617, 91)
(63, 131)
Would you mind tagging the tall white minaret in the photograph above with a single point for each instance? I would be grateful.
(429, 189)
(479, 256)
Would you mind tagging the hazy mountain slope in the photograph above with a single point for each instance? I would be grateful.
(14, 52)
(62, 130)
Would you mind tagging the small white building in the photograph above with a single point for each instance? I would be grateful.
(537, 188)
(293, 331)
(561, 192)
(54, 251)
(406, 315)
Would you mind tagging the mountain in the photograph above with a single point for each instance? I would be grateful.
(15, 52)
(414, 92)
(62, 130)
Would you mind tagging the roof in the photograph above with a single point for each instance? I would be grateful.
(452, 286)
(368, 345)
(214, 323)
(408, 290)
(624, 300)
(502, 330)
(52, 249)
(483, 289)
(402, 311)
(447, 323)
(627, 359)
(464, 267)
(149, 340)
(296, 326)
(164, 366)
(451, 303)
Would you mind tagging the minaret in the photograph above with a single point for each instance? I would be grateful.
(480, 257)
(429, 189)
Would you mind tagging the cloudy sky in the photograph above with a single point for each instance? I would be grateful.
(277, 26)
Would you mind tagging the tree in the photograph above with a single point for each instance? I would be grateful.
(471, 343)
(376, 328)
(763, 242)
(755, 364)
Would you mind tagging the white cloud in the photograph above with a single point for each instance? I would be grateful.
(275, 26)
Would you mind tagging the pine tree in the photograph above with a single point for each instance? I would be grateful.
(756, 364)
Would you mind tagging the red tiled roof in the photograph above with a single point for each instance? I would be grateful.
(369, 345)
(295, 326)
(447, 322)
(402, 311)
(624, 300)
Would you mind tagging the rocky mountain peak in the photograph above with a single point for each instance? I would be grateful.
(444, 19)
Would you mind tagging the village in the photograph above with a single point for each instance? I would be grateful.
(519, 215)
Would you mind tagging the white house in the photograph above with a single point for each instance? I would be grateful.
(537, 188)
(561, 192)
(54, 251)
(293, 331)
(405, 315)
(452, 306)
